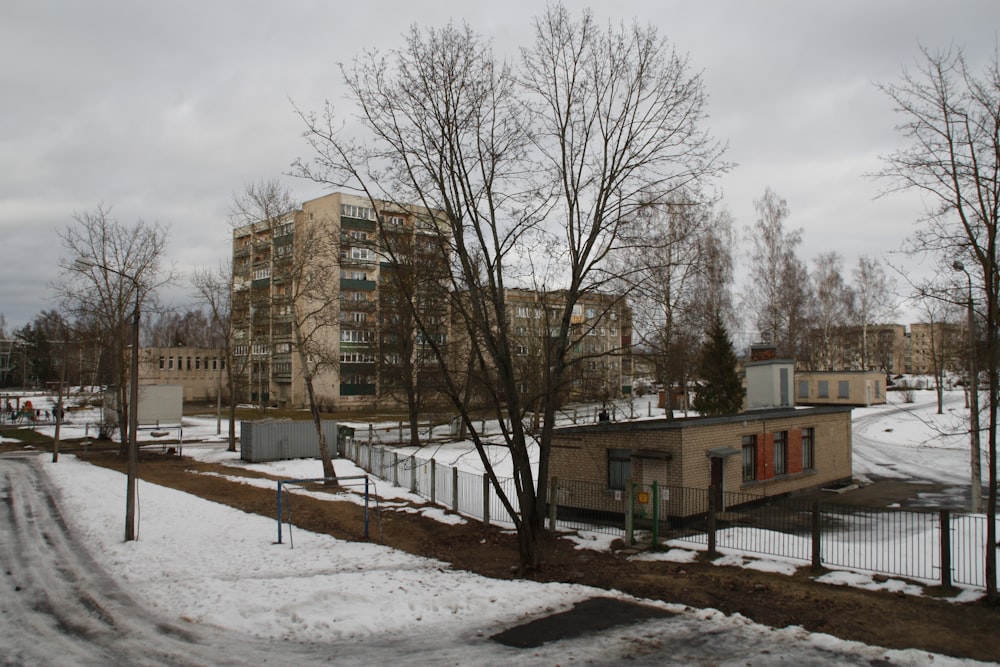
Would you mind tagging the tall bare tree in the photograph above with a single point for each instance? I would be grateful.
(833, 308)
(688, 277)
(951, 119)
(215, 291)
(544, 168)
(777, 295)
(109, 276)
(874, 301)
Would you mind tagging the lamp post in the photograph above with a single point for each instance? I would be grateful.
(976, 498)
(133, 408)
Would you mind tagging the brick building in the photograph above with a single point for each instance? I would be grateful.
(768, 451)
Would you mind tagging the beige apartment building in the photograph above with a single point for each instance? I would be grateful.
(329, 260)
(600, 353)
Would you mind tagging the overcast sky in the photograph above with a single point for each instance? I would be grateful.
(162, 110)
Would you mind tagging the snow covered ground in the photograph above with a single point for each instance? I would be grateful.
(209, 568)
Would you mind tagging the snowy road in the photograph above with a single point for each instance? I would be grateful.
(887, 446)
(60, 607)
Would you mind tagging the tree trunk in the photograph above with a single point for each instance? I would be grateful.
(324, 450)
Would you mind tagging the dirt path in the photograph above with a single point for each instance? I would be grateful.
(877, 618)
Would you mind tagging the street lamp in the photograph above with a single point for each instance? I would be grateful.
(133, 416)
(976, 498)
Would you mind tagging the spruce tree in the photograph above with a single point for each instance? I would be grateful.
(721, 391)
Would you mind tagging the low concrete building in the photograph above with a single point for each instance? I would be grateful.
(200, 370)
(774, 450)
(857, 388)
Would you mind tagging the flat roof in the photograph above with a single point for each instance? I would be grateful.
(664, 424)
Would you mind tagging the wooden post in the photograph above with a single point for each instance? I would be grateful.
(395, 469)
(946, 549)
(454, 489)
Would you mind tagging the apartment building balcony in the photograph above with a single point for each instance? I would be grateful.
(362, 285)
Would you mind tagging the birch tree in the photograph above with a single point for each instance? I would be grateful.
(950, 119)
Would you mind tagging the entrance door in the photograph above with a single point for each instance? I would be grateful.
(716, 481)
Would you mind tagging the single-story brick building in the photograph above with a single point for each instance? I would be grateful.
(764, 452)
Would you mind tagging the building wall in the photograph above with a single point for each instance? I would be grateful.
(581, 453)
(863, 388)
(199, 370)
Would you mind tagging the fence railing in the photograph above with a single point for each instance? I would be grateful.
(933, 547)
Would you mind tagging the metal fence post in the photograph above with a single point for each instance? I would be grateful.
(553, 495)
(711, 520)
(433, 481)
(454, 489)
(817, 545)
(656, 514)
(945, 549)
(413, 473)
(629, 537)
(486, 499)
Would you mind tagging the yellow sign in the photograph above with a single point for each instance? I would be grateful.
(643, 497)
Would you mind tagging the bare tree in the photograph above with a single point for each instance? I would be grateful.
(413, 305)
(110, 275)
(951, 118)
(688, 273)
(777, 295)
(833, 309)
(874, 302)
(215, 290)
(543, 171)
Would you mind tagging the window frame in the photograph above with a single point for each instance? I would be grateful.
(780, 452)
(749, 447)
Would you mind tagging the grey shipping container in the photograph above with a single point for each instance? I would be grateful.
(280, 440)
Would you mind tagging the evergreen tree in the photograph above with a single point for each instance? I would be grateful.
(721, 391)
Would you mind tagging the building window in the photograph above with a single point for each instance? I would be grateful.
(197, 363)
(823, 387)
(803, 388)
(170, 363)
(843, 389)
(619, 468)
(781, 453)
(163, 362)
(808, 448)
(749, 458)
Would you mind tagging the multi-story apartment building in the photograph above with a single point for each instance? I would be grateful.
(600, 352)
(375, 349)
(938, 346)
(323, 273)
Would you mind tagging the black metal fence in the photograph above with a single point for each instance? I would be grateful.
(933, 547)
